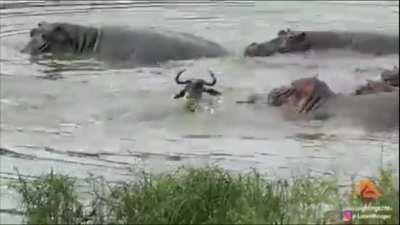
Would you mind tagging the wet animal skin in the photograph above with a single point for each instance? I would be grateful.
(194, 89)
(134, 46)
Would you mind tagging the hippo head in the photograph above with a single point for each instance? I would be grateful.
(59, 39)
(194, 88)
(391, 77)
(260, 49)
(303, 95)
(280, 96)
(287, 41)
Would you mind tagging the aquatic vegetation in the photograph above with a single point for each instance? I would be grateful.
(191, 196)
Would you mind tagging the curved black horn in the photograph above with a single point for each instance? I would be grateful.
(177, 78)
(214, 80)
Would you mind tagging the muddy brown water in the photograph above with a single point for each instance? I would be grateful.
(78, 117)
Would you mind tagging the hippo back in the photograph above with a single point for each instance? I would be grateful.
(364, 42)
(151, 46)
(375, 111)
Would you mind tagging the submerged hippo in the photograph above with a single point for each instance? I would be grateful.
(391, 77)
(302, 96)
(300, 41)
(389, 82)
(194, 89)
(312, 98)
(136, 46)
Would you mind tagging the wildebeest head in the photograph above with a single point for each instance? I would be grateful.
(287, 41)
(194, 88)
(60, 39)
(303, 95)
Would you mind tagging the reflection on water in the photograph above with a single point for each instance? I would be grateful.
(82, 116)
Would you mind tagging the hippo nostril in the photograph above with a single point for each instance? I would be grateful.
(41, 23)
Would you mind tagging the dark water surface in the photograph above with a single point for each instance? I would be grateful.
(80, 117)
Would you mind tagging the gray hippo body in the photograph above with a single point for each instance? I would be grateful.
(389, 82)
(311, 98)
(301, 41)
(374, 111)
(378, 111)
(136, 46)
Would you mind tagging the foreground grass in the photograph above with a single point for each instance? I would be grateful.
(208, 196)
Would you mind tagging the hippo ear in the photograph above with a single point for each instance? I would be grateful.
(281, 32)
(302, 35)
(58, 28)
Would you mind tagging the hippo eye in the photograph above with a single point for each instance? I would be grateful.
(57, 28)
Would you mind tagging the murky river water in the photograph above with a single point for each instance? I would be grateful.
(80, 117)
